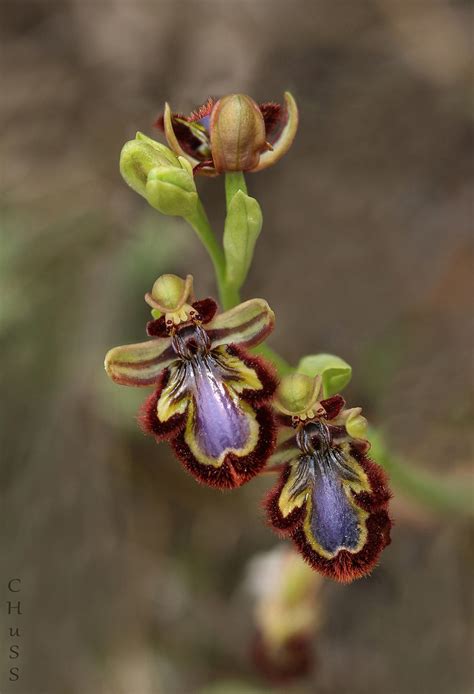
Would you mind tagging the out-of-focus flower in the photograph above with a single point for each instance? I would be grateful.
(163, 179)
(233, 133)
(210, 394)
(330, 499)
(287, 612)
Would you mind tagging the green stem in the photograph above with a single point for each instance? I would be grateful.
(200, 223)
(233, 183)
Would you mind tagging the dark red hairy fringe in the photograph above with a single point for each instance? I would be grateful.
(281, 525)
(266, 373)
(234, 471)
(205, 308)
(346, 566)
(148, 419)
(292, 661)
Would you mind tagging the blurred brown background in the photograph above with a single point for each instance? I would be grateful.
(132, 575)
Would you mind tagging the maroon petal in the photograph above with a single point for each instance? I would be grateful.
(333, 406)
(275, 118)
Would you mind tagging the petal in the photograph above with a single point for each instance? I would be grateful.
(333, 406)
(140, 364)
(247, 324)
(286, 136)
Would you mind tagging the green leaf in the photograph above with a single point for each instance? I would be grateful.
(335, 372)
(242, 228)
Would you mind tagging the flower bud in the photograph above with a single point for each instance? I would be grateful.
(138, 157)
(156, 173)
(237, 133)
(172, 191)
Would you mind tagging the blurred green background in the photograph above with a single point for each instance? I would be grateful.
(133, 576)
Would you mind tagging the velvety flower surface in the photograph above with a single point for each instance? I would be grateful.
(209, 392)
(232, 133)
(331, 499)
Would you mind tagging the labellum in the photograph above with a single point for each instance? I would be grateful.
(331, 499)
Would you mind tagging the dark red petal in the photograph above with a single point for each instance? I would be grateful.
(347, 566)
(275, 117)
(234, 471)
(380, 493)
(292, 660)
(265, 372)
(333, 406)
(206, 308)
(283, 526)
(148, 418)
(157, 327)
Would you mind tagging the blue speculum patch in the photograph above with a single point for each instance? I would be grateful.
(219, 422)
(334, 521)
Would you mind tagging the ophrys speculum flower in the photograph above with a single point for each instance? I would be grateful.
(331, 499)
(233, 133)
(210, 394)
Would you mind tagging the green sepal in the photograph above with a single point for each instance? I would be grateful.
(242, 228)
(335, 372)
(172, 191)
(156, 313)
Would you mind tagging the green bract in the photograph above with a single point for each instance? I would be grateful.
(242, 228)
(163, 179)
(335, 372)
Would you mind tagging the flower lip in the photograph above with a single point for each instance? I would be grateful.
(330, 499)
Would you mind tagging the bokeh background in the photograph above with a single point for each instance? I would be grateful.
(134, 577)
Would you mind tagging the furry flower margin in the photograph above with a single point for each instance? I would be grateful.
(210, 394)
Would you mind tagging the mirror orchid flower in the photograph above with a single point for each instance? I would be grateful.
(210, 394)
(331, 499)
(233, 133)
